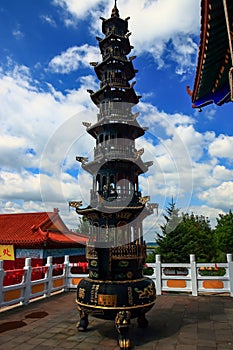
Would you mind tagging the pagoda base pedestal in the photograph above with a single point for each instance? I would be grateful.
(116, 300)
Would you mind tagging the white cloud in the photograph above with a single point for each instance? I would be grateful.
(48, 19)
(183, 52)
(78, 9)
(160, 122)
(182, 168)
(38, 118)
(73, 58)
(219, 196)
(202, 176)
(30, 119)
(21, 185)
(158, 29)
(220, 173)
(176, 132)
(222, 147)
(209, 113)
(17, 33)
(27, 192)
(207, 211)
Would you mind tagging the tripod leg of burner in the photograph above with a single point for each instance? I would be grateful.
(122, 322)
(142, 321)
(83, 322)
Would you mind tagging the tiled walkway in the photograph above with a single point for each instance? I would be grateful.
(179, 322)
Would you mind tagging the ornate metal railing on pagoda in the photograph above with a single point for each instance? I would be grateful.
(116, 111)
(128, 251)
(110, 149)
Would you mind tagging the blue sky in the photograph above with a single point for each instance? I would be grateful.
(45, 50)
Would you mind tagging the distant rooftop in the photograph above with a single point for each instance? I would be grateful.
(37, 229)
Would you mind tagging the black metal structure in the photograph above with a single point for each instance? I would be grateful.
(116, 252)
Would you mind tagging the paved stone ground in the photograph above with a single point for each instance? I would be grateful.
(179, 322)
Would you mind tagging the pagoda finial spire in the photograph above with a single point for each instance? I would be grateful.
(115, 11)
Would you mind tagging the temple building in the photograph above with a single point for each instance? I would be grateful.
(116, 251)
(37, 235)
(213, 81)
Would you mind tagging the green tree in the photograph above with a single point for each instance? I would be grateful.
(198, 237)
(183, 235)
(169, 242)
(150, 257)
(224, 235)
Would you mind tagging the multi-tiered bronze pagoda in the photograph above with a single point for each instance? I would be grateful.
(116, 288)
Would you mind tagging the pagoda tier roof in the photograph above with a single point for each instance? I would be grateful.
(117, 95)
(132, 127)
(93, 166)
(119, 63)
(37, 229)
(121, 39)
(111, 207)
(105, 208)
(119, 22)
(211, 84)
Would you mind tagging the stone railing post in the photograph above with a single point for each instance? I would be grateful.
(66, 272)
(193, 275)
(49, 276)
(27, 281)
(158, 280)
(230, 267)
